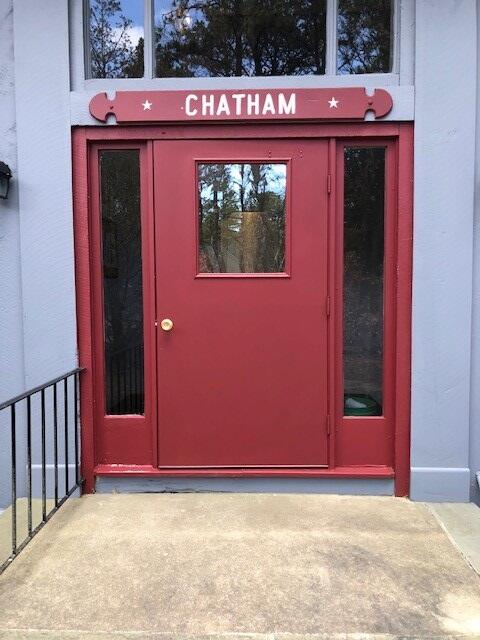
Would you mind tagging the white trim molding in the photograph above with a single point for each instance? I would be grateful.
(437, 484)
(341, 486)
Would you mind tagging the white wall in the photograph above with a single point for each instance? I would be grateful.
(36, 223)
(45, 189)
(11, 323)
(445, 94)
(475, 381)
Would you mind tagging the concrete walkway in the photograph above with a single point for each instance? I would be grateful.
(240, 565)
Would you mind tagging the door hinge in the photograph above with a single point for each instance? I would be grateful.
(329, 183)
(328, 424)
(327, 306)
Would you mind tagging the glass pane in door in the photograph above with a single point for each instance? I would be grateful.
(241, 213)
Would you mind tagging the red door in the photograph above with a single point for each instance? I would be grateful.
(241, 271)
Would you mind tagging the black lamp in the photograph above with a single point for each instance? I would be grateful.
(5, 176)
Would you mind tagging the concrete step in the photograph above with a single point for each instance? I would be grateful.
(251, 566)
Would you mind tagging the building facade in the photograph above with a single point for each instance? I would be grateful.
(255, 226)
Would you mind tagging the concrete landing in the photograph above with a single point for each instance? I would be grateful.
(462, 523)
(240, 565)
(22, 524)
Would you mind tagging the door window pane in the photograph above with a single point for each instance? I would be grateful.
(363, 280)
(364, 36)
(122, 281)
(116, 38)
(242, 217)
(239, 37)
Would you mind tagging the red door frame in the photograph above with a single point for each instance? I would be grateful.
(398, 138)
(124, 438)
(363, 441)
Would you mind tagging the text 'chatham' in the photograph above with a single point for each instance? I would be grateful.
(239, 104)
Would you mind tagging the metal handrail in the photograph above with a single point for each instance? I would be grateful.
(30, 392)
(70, 405)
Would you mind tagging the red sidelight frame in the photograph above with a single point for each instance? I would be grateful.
(124, 438)
(379, 451)
(366, 441)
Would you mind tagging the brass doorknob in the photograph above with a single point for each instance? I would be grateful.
(166, 324)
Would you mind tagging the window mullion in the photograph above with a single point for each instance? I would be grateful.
(149, 53)
(87, 60)
(331, 37)
(394, 37)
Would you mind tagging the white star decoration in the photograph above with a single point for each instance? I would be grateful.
(333, 103)
(147, 106)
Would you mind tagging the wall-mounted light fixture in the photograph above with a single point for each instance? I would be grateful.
(5, 176)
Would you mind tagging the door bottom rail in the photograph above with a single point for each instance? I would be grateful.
(146, 471)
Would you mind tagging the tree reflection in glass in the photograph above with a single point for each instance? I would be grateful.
(364, 36)
(242, 217)
(363, 279)
(122, 281)
(116, 38)
(239, 37)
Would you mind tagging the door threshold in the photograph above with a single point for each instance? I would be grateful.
(148, 471)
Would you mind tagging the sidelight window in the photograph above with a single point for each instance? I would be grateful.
(227, 38)
(122, 281)
(363, 280)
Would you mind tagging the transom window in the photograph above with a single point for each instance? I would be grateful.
(227, 38)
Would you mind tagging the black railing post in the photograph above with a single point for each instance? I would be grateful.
(65, 400)
(13, 439)
(109, 398)
(75, 423)
(117, 367)
(130, 380)
(29, 462)
(135, 364)
(123, 366)
(44, 458)
(55, 440)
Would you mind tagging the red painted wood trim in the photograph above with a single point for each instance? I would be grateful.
(149, 288)
(226, 158)
(84, 305)
(125, 438)
(233, 131)
(147, 471)
(389, 295)
(333, 299)
(370, 130)
(368, 440)
(345, 103)
(404, 310)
